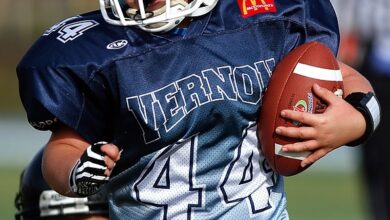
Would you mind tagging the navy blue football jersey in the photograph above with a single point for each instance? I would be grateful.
(182, 107)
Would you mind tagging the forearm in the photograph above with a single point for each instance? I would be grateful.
(354, 81)
(362, 100)
(62, 151)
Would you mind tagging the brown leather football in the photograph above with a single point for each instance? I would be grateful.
(290, 87)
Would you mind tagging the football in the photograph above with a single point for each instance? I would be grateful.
(290, 87)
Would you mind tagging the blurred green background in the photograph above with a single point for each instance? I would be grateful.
(331, 189)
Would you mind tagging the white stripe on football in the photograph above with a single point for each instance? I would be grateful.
(317, 72)
(294, 155)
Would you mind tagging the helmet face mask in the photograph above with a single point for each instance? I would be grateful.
(160, 19)
(52, 203)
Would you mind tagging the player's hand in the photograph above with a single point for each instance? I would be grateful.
(340, 124)
(94, 168)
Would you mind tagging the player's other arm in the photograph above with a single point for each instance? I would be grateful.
(353, 80)
(64, 151)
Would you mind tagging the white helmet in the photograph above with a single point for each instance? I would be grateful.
(159, 20)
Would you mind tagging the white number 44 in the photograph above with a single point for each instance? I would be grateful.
(74, 30)
(161, 186)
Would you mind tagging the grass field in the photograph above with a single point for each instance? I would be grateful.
(9, 184)
(311, 195)
(326, 196)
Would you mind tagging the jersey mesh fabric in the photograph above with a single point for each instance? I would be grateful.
(182, 108)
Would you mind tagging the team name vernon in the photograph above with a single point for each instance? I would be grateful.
(165, 107)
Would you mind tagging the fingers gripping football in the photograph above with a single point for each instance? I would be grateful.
(93, 169)
(323, 132)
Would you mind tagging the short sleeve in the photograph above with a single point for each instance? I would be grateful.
(322, 24)
(53, 95)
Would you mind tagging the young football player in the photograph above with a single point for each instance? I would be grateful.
(157, 101)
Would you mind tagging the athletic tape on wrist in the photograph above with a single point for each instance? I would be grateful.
(368, 105)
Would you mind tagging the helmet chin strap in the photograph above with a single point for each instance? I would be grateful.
(176, 5)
